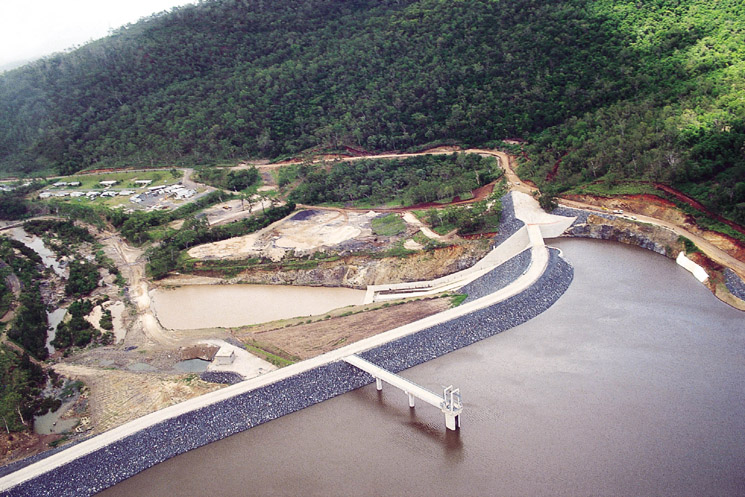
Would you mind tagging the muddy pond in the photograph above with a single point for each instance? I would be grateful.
(212, 306)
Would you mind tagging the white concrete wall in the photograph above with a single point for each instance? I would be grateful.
(504, 252)
(695, 269)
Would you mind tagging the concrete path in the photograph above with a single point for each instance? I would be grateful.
(527, 210)
(712, 251)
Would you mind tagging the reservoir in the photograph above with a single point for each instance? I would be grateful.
(210, 306)
(633, 383)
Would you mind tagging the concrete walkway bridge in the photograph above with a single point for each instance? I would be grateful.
(449, 403)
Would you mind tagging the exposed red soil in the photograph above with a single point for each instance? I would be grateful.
(705, 262)
(479, 236)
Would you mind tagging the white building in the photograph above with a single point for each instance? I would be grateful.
(224, 357)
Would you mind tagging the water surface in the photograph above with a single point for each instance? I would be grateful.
(208, 306)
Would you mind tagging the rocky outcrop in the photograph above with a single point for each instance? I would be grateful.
(735, 284)
(356, 271)
(613, 228)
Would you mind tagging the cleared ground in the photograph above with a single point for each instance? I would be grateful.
(311, 339)
(302, 233)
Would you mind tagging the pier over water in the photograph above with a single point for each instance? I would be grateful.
(449, 403)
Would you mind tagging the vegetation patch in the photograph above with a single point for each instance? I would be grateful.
(271, 354)
(388, 225)
(457, 299)
(21, 383)
(407, 181)
(233, 180)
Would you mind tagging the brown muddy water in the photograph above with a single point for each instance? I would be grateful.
(633, 383)
(210, 306)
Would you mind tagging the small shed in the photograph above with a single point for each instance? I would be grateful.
(224, 357)
(108, 183)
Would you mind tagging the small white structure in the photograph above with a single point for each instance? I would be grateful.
(45, 194)
(224, 357)
(60, 183)
(76, 194)
(143, 182)
(92, 194)
(183, 193)
(695, 269)
(74, 183)
(109, 193)
(156, 188)
(108, 183)
(124, 193)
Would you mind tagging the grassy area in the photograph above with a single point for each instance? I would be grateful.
(605, 188)
(690, 247)
(272, 354)
(427, 242)
(457, 299)
(388, 225)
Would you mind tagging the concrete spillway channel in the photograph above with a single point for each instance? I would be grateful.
(102, 461)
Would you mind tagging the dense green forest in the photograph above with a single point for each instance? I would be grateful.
(412, 180)
(29, 327)
(601, 89)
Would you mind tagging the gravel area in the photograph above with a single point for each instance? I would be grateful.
(497, 278)
(734, 283)
(581, 215)
(508, 223)
(124, 458)
(224, 377)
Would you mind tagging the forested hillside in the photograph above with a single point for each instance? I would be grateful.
(648, 89)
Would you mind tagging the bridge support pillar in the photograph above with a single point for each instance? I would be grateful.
(411, 399)
(379, 384)
(452, 421)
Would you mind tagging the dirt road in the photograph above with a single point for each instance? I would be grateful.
(712, 251)
(131, 262)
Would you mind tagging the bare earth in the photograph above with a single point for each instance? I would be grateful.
(310, 340)
(119, 396)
